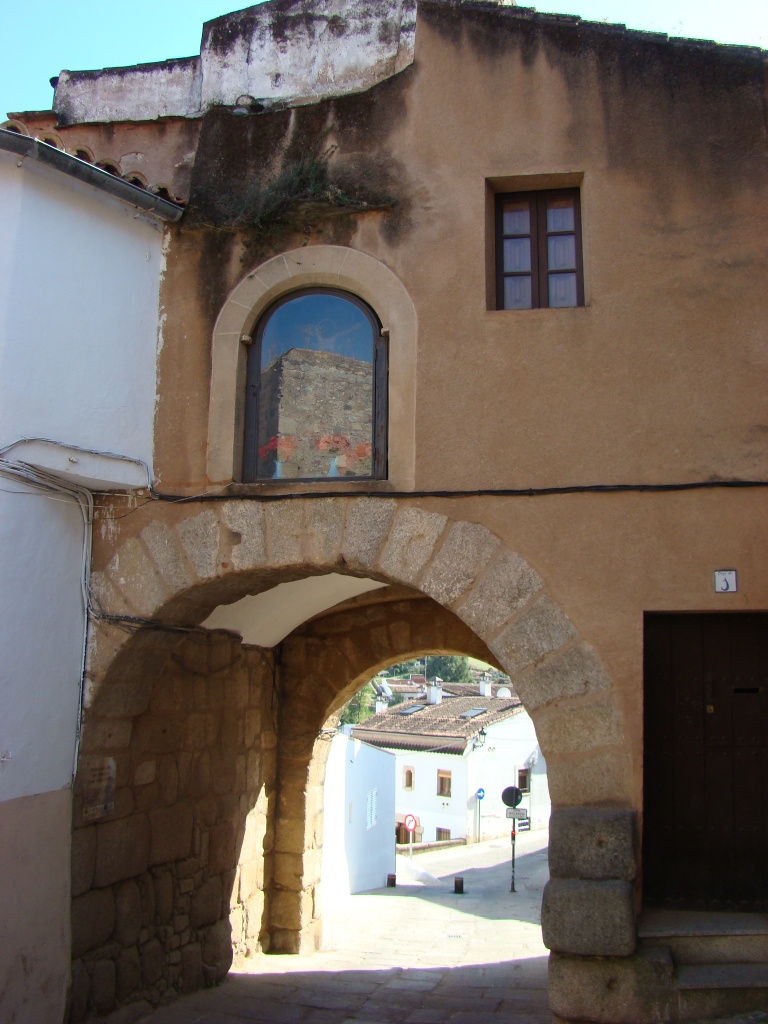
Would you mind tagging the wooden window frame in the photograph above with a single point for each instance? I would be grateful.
(406, 770)
(526, 772)
(539, 272)
(443, 775)
(442, 835)
(380, 388)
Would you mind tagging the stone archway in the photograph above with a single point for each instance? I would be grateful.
(169, 575)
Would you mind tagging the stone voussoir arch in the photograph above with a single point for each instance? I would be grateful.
(313, 266)
(191, 558)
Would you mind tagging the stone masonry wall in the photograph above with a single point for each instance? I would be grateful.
(167, 883)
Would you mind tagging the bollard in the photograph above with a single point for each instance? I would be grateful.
(391, 881)
(458, 884)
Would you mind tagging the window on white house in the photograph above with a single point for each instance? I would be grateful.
(442, 834)
(443, 783)
(408, 777)
(371, 810)
(524, 780)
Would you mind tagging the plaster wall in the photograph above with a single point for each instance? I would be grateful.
(492, 767)
(78, 314)
(34, 906)
(356, 857)
(41, 633)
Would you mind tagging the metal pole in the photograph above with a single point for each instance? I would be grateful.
(410, 848)
(512, 888)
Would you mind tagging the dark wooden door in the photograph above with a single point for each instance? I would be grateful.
(705, 832)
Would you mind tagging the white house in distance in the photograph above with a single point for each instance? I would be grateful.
(358, 811)
(449, 749)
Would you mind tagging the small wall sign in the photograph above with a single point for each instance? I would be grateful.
(99, 788)
(725, 581)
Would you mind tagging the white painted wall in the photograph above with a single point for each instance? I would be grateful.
(291, 54)
(356, 854)
(79, 286)
(41, 633)
(509, 745)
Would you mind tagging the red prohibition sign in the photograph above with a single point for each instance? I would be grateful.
(410, 822)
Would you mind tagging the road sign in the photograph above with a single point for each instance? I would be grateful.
(410, 822)
(517, 812)
(511, 796)
(480, 794)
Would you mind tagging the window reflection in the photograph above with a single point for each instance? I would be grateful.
(310, 402)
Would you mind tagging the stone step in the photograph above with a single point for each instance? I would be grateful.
(695, 937)
(712, 990)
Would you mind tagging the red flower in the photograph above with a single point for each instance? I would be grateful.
(333, 443)
(282, 446)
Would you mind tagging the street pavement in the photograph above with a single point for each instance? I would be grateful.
(415, 954)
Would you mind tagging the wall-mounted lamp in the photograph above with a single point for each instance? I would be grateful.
(479, 740)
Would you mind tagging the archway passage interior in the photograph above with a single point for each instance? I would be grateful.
(198, 815)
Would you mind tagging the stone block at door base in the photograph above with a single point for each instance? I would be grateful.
(613, 990)
(588, 918)
(592, 843)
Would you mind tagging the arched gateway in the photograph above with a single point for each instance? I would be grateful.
(197, 814)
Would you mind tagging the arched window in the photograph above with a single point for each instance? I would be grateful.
(316, 390)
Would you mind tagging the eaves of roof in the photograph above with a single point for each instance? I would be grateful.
(33, 149)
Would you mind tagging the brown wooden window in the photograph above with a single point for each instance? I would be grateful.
(443, 783)
(538, 250)
(524, 780)
(407, 778)
(442, 834)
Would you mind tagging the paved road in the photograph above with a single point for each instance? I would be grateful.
(417, 954)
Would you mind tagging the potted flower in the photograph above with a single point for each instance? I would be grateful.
(336, 445)
(283, 447)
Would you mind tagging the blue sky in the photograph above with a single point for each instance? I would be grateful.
(44, 36)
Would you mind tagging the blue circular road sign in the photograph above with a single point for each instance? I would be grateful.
(480, 794)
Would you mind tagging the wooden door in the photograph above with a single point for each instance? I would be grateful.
(705, 832)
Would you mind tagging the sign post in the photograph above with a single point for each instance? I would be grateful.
(511, 797)
(480, 795)
(410, 824)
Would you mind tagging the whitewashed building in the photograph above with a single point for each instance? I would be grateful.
(454, 757)
(80, 265)
(358, 811)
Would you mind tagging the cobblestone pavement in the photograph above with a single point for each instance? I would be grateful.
(417, 954)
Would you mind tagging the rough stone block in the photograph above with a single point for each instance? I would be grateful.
(191, 967)
(163, 886)
(411, 542)
(464, 553)
(368, 523)
(217, 952)
(589, 778)
(205, 904)
(152, 962)
(221, 849)
(162, 543)
(324, 531)
(200, 539)
(588, 918)
(570, 728)
(128, 973)
(83, 859)
(285, 532)
(505, 587)
(290, 910)
(159, 733)
(103, 986)
(575, 672)
(105, 734)
(127, 913)
(592, 842)
(93, 918)
(245, 520)
(141, 585)
(171, 833)
(539, 631)
(79, 992)
(629, 990)
(122, 849)
(126, 699)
